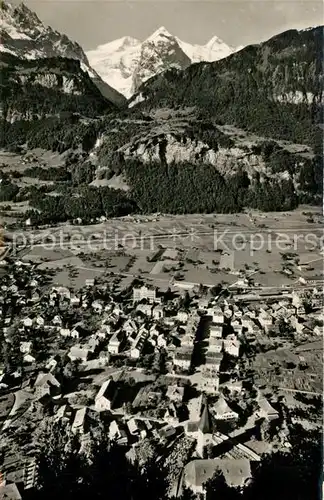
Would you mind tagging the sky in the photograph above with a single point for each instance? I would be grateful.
(236, 22)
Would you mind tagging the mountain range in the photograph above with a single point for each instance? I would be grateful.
(274, 88)
(117, 68)
(127, 62)
(242, 131)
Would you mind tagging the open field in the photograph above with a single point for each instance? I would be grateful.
(64, 278)
(36, 157)
(274, 249)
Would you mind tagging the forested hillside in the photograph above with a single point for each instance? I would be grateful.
(274, 89)
(41, 96)
(53, 77)
(216, 137)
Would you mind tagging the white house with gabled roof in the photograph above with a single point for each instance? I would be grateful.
(106, 396)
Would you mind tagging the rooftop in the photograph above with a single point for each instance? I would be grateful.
(221, 407)
(205, 424)
(236, 471)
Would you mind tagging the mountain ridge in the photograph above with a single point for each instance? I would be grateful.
(284, 73)
(23, 35)
(122, 64)
(211, 136)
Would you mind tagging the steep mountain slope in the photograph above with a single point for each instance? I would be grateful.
(214, 50)
(240, 132)
(126, 62)
(159, 52)
(35, 89)
(116, 62)
(179, 162)
(49, 103)
(22, 34)
(251, 120)
(274, 89)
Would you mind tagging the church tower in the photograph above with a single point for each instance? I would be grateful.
(205, 431)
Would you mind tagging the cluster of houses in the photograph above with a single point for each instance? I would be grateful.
(256, 319)
(150, 322)
(147, 324)
(182, 357)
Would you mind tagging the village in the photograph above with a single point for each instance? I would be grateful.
(200, 378)
(161, 250)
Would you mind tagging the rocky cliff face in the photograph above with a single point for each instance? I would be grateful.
(67, 84)
(226, 160)
(22, 34)
(34, 89)
(180, 146)
(159, 52)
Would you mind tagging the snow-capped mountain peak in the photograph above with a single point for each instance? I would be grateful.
(159, 52)
(214, 50)
(19, 14)
(126, 63)
(118, 45)
(18, 22)
(215, 41)
(161, 32)
(117, 61)
(128, 41)
(24, 35)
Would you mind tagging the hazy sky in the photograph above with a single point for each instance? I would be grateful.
(237, 22)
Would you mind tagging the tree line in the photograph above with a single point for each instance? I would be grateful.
(105, 472)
